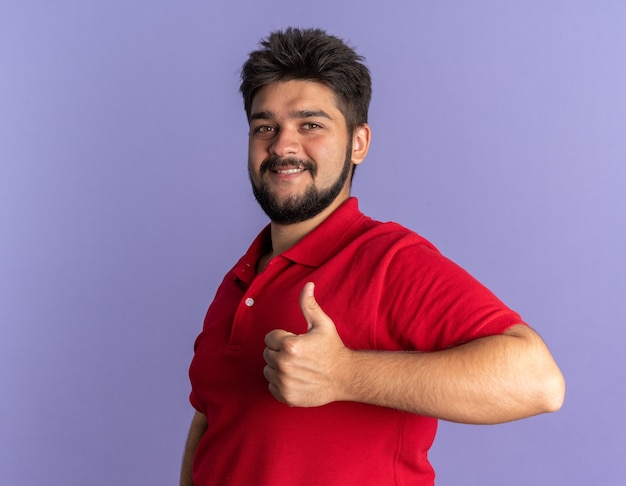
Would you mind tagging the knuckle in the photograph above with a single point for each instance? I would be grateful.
(312, 306)
(283, 369)
(290, 345)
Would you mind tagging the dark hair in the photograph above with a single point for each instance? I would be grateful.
(310, 55)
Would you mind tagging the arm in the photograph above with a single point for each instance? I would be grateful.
(490, 380)
(196, 431)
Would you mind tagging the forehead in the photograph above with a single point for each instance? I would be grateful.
(282, 97)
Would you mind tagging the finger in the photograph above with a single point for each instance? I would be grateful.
(272, 383)
(270, 357)
(274, 339)
(313, 313)
(269, 373)
(276, 393)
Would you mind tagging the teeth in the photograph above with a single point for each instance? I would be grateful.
(289, 171)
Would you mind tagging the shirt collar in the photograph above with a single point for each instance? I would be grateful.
(312, 250)
(317, 246)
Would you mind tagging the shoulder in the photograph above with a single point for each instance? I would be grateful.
(391, 237)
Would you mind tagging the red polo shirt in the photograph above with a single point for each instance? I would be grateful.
(386, 288)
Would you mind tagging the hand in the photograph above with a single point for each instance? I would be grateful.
(306, 370)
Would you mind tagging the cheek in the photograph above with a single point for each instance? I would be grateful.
(330, 157)
(325, 150)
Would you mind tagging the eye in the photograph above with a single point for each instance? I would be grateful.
(264, 129)
(311, 126)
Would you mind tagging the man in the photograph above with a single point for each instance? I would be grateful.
(336, 342)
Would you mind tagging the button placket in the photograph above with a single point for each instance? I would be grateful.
(251, 296)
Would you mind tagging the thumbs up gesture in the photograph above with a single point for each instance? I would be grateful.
(307, 370)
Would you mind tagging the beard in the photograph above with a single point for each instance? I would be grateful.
(296, 209)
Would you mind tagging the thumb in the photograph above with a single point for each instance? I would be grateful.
(313, 313)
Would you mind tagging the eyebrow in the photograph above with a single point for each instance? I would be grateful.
(268, 115)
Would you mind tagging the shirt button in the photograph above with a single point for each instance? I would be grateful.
(249, 302)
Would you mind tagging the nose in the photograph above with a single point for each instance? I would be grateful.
(285, 143)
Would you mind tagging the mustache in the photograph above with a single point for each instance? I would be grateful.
(274, 162)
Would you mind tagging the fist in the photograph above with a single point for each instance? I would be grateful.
(306, 370)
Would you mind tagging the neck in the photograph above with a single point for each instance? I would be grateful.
(285, 236)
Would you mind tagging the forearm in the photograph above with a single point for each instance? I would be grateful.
(196, 431)
(490, 380)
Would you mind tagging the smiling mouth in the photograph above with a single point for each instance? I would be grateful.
(288, 166)
(294, 170)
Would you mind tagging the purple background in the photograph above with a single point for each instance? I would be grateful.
(498, 133)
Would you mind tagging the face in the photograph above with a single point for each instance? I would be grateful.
(300, 155)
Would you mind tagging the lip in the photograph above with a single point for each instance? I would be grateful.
(289, 171)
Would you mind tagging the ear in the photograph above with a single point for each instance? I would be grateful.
(360, 143)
